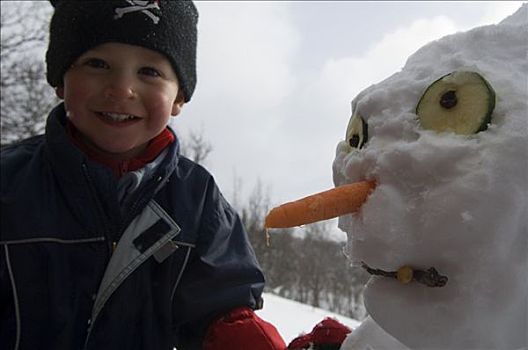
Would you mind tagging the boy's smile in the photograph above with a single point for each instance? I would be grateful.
(120, 96)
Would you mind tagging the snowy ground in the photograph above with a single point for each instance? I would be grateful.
(292, 318)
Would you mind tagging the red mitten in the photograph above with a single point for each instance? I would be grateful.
(329, 332)
(242, 329)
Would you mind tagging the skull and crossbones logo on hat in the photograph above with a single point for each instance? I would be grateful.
(139, 5)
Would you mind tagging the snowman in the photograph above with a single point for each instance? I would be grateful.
(438, 153)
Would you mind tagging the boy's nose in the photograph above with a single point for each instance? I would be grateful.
(119, 88)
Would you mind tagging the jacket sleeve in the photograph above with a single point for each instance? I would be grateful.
(221, 275)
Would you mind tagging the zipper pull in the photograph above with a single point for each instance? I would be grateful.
(114, 246)
(123, 167)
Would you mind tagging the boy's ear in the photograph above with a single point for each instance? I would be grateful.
(178, 104)
(59, 91)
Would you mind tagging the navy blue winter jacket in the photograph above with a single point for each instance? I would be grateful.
(183, 257)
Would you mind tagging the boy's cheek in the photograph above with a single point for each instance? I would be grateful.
(162, 103)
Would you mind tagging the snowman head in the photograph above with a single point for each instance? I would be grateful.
(444, 230)
(446, 141)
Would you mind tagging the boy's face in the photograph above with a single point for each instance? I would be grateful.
(120, 96)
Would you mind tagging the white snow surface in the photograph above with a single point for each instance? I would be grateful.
(453, 202)
(292, 318)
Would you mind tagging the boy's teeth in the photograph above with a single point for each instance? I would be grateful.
(118, 117)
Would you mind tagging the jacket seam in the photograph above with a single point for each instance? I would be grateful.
(185, 244)
(161, 213)
(53, 240)
(184, 265)
(15, 298)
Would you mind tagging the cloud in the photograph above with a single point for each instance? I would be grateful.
(245, 72)
(322, 105)
(497, 11)
(244, 52)
(343, 78)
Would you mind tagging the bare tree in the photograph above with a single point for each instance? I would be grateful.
(310, 268)
(26, 97)
(196, 147)
(24, 26)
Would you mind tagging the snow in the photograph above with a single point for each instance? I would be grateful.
(454, 202)
(292, 318)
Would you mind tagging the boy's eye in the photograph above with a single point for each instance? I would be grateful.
(96, 63)
(150, 71)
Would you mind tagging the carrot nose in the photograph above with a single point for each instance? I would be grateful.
(321, 206)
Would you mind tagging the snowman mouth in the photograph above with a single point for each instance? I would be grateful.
(407, 274)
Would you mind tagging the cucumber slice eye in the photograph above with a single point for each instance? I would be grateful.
(461, 102)
(357, 132)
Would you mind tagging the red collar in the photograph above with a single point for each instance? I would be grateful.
(121, 167)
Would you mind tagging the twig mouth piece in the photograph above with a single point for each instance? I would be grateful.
(407, 274)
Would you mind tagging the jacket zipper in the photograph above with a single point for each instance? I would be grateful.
(111, 244)
(132, 213)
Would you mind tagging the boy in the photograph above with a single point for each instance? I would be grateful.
(109, 238)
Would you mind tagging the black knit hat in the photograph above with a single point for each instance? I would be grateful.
(165, 26)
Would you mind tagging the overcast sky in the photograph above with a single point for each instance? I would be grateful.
(275, 80)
